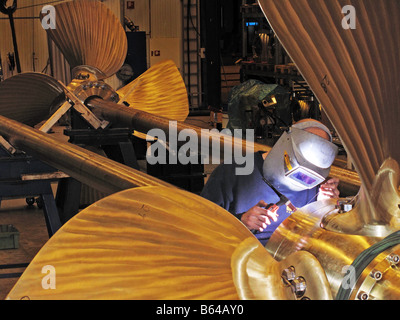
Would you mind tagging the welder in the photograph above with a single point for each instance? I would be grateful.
(294, 173)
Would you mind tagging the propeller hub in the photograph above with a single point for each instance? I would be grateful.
(91, 88)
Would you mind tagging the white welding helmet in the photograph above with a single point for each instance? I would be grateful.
(300, 159)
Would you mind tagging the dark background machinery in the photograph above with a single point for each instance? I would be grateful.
(238, 34)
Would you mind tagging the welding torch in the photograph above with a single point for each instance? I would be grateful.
(283, 200)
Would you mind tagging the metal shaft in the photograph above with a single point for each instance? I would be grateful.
(88, 167)
(143, 122)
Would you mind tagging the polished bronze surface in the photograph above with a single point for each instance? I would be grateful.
(335, 251)
(88, 34)
(384, 197)
(30, 97)
(354, 73)
(380, 280)
(160, 91)
(302, 232)
(159, 242)
(155, 233)
(163, 243)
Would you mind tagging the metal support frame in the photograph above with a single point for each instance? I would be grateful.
(12, 266)
(211, 17)
(27, 178)
(15, 182)
(73, 102)
(115, 142)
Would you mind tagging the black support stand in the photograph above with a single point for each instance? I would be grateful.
(116, 144)
(23, 176)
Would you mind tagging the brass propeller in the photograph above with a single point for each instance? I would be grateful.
(30, 97)
(348, 51)
(160, 91)
(89, 34)
(161, 243)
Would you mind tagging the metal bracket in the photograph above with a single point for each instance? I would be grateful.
(7, 146)
(55, 117)
(74, 102)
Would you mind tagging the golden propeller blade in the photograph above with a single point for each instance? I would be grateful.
(89, 34)
(139, 243)
(160, 91)
(354, 73)
(160, 243)
(30, 97)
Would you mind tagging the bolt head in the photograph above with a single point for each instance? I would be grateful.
(288, 275)
(376, 275)
(362, 295)
(299, 286)
(393, 258)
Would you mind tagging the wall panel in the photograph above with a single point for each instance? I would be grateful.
(31, 38)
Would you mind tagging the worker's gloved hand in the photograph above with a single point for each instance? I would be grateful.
(329, 190)
(258, 218)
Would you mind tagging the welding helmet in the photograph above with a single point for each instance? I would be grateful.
(300, 159)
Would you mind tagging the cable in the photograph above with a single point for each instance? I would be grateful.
(40, 4)
(364, 259)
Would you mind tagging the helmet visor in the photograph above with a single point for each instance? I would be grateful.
(305, 177)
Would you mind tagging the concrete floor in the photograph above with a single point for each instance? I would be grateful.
(31, 224)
